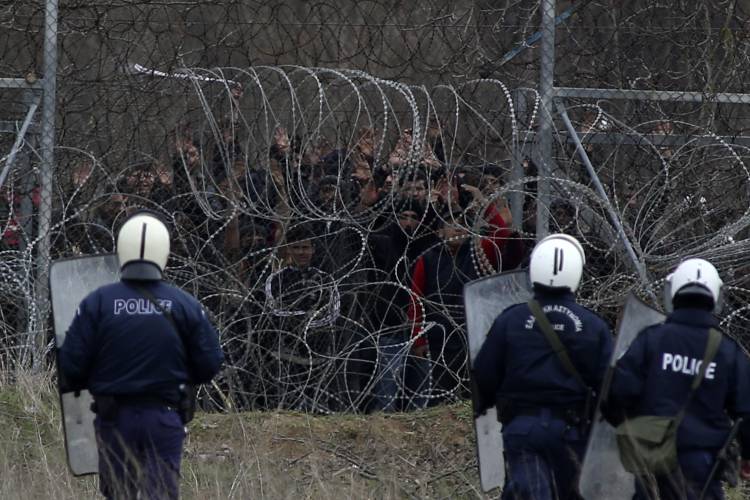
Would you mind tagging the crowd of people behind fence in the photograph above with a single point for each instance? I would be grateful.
(335, 273)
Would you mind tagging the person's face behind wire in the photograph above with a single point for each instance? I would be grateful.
(416, 190)
(326, 196)
(301, 253)
(253, 241)
(114, 206)
(408, 220)
(142, 182)
(490, 184)
(192, 158)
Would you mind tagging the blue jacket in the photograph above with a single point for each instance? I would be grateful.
(654, 376)
(120, 344)
(518, 366)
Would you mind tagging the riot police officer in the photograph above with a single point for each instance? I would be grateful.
(655, 375)
(544, 402)
(136, 345)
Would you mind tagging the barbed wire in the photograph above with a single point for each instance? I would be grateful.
(301, 192)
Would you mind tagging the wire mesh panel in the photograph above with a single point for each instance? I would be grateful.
(311, 158)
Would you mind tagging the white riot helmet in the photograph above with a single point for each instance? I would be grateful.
(143, 247)
(694, 277)
(557, 261)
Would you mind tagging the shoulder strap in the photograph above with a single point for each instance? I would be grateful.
(165, 312)
(554, 341)
(712, 347)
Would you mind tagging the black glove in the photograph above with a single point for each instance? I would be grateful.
(480, 409)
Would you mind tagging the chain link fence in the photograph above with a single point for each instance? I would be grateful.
(307, 156)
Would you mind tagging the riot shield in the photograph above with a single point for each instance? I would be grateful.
(602, 473)
(484, 300)
(71, 280)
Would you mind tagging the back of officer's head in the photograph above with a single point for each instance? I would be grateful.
(143, 247)
(557, 263)
(694, 284)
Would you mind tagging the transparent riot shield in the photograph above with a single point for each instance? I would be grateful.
(484, 300)
(602, 473)
(71, 280)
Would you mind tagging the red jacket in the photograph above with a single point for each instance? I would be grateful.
(492, 246)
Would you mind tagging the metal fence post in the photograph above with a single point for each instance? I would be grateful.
(47, 146)
(546, 90)
(614, 218)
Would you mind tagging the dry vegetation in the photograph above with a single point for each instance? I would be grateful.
(428, 454)
(258, 455)
(280, 455)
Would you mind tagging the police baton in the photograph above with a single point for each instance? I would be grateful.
(721, 457)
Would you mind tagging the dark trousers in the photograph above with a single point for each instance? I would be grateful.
(139, 452)
(450, 366)
(686, 483)
(543, 456)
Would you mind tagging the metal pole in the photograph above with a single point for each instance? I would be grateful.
(638, 263)
(21, 83)
(546, 90)
(531, 40)
(47, 145)
(652, 95)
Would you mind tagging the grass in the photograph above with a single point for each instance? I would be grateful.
(428, 454)
(258, 455)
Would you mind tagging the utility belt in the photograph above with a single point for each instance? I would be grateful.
(574, 416)
(108, 406)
